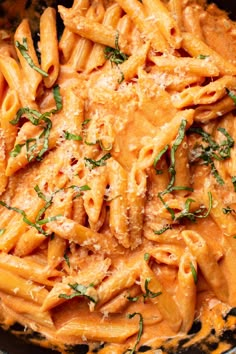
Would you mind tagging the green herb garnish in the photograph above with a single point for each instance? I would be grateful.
(140, 332)
(163, 229)
(186, 213)
(146, 257)
(231, 95)
(67, 259)
(71, 136)
(23, 48)
(228, 210)
(86, 121)
(116, 56)
(157, 159)
(194, 272)
(37, 224)
(16, 151)
(202, 56)
(149, 294)
(38, 119)
(176, 144)
(213, 150)
(91, 164)
(2, 231)
(79, 290)
(233, 179)
(78, 189)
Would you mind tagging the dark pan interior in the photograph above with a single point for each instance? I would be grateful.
(9, 344)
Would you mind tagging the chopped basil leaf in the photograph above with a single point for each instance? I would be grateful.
(79, 190)
(39, 220)
(25, 218)
(158, 157)
(67, 259)
(212, 151)
(122, 77)
(90, 163)
(163, 229)
(231, 95)
(2, 231)
(133, 299)
(86, 121)
(176, 144)
(105, 148)
(30, 148)
(228, 210)
(23, 48)
(170, 210)
(116, 56)
(140, 332)
(146, 257)
(90, 142)
(49, 219)
(40, 193)
(186, 213)
(38, 119)
(57, 98)
(16, 150)
(70, 136)
(79, 290)
(149, 294)
(202, 56)
(233, 179)
(194, 272)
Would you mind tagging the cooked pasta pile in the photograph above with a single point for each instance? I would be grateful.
(118, 173)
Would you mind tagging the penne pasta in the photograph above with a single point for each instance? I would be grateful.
(118, 175)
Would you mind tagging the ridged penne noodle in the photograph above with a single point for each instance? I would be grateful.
(70, 230)
(117, 178)
(165, 303)
(118, 175)
(33, 77)
(9, 108)
(94, 198)
(191, 20)
(186, 292)
(49, 51)
(205, 113)
(167, 25)
(28, 309)
(94, 31)
(196, 47)
(15, 285)
(149, 152)
(97, 57)
(86, 277)
(209, 267)
(28, 242)
(83, 48)
(136, 12)
(208, 94)
(117, 332)
(27, 269)
(16, 227)
(175, 7)
(136, 187)
(191, 65)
